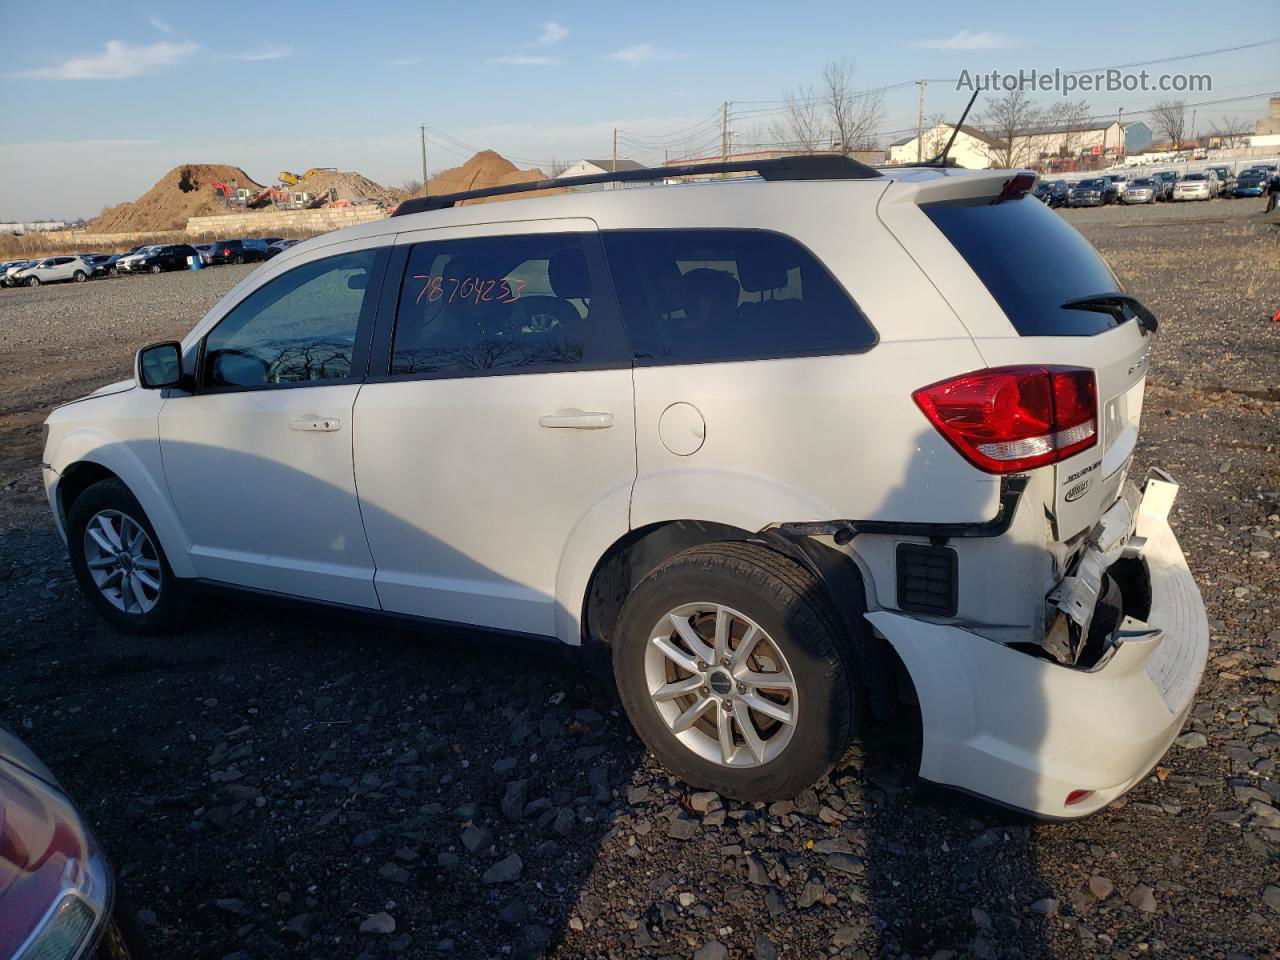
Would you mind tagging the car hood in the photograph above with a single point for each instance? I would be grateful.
(14, 751)
(121, 386)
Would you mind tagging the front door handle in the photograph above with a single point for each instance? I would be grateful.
(314, 423)
(577, 420)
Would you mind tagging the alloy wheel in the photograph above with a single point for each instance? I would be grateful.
(123, 562)
(721, 684)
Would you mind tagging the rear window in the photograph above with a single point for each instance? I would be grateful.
(1032, 261)
(698, 296)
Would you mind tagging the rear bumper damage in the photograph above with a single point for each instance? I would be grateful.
(1028, 731)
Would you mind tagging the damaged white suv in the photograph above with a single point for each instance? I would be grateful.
(788, 446)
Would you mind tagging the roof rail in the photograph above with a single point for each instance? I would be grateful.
(801, 167)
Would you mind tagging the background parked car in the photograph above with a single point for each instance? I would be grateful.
(1166, 179)
(58, 895)
(239, 251)
(100, 262)
(169, 256)
(1140, 191)
(54, 270)
(1202, 185)
(280, 246)
(11, 266)
(1119, 182)
(1226, 181)
(129, 262)
(1251, 183)
(1091, 193)
(113, 262)
(206, 252)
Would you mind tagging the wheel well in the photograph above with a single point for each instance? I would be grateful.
(633, 556)
(75, 480)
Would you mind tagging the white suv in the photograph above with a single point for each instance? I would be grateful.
(52, 270)
(785, 446)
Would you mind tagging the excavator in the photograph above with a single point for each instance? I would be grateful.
(293, 179)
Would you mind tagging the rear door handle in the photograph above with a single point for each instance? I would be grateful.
(316, 424)
(577, 420)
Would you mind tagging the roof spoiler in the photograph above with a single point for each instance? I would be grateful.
(801, 167)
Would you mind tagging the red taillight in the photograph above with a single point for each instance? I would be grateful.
(1077, 796)
(226, 252)
(1010, 419)
(1017, 185)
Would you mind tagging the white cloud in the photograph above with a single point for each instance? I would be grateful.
(118, 59)
(552, 33)
(526, 60)
(161, 25)
(404, 61)
(270, 51)
(639, 53)
(970, 40)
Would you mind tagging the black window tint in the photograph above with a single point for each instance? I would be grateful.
(299, 327)
(1032, 261)
(707, 295)
(518, 304)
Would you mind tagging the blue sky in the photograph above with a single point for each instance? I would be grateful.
(107, 98)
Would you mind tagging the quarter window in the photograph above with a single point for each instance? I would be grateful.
(514, 304)
(709, 295)
(297, 328)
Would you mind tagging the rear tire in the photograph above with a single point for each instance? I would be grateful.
(780, 739)
(119, 563)
(239, 259)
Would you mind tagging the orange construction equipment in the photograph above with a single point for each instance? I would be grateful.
(220, 187)
(265, 196)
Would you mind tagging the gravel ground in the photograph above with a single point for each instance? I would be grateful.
(284, 784)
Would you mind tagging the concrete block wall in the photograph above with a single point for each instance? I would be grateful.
(310, 221)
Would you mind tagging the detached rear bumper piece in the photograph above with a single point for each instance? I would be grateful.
(1030, 733)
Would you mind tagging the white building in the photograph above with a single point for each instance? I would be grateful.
(978, 150)
(587, 168)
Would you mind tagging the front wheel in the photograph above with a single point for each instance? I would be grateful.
(735, 670)
(155, 268)
(33, 281)
(119, 563)
(79, 276)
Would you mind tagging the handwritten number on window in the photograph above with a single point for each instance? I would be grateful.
(476, 289)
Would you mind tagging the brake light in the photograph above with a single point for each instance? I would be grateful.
(1017, 186)
(1010, 419)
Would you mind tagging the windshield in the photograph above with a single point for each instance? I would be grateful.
(1142, 183)
(1089, 184)
(1195, 176)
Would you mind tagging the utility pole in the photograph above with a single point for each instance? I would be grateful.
(724, 132)
(1120, 135)
(614, 185)
(920, 124)
(423, 130)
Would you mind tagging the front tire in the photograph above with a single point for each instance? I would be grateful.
(33, 281)
(736, 672)
(119, 563)
(155, 268)
(79, 276)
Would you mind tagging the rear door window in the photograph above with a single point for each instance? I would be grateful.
(697, 296)
(1031, 260)
(494, 305)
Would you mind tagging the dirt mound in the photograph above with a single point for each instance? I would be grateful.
(485, 169)
(349, 186)
(183, 192)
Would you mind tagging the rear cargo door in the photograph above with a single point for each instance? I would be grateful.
(1025, 263)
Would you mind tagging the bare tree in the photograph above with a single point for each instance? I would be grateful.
(937, 131)
(1231, 131)
(411, 187)
(1007, 122)
(834, 115)
(1169, 117)
(800, 127)
(1068, 121)
(558, 167)
(854, 115)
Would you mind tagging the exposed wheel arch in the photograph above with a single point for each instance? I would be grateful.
(76, 479)
(638, 552)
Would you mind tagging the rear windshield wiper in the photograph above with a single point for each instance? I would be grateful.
(1116, 304)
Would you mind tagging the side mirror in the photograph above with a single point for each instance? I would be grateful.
(158, 365)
